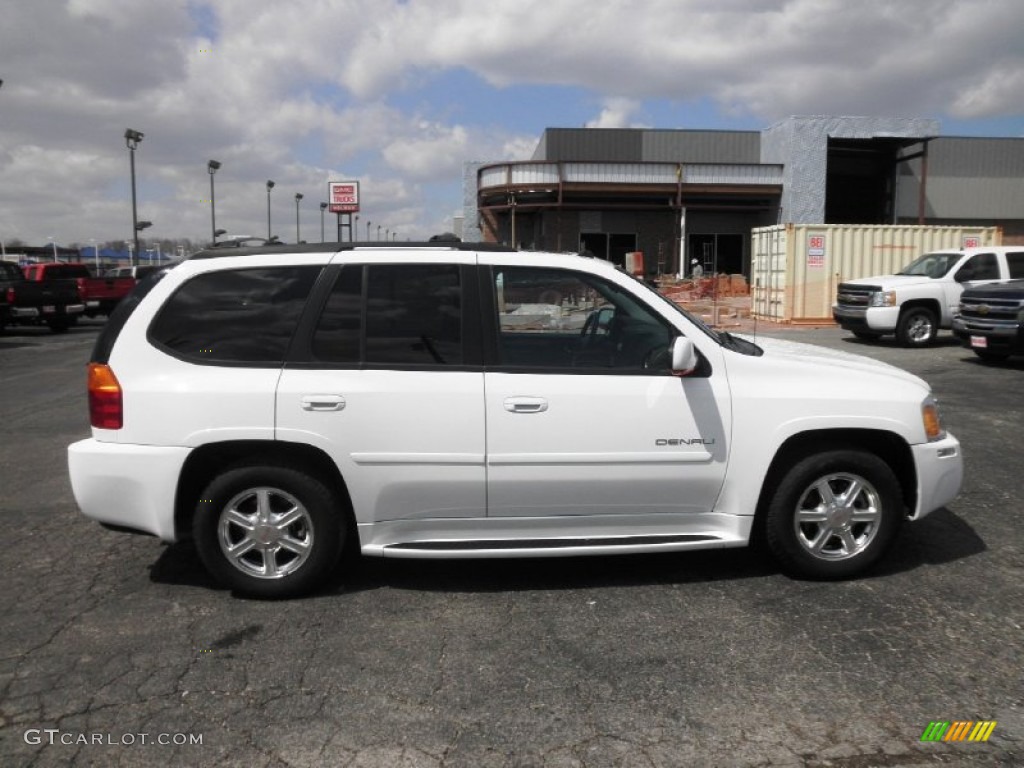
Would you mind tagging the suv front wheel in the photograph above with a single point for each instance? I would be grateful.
(834, 514)
(268, 530)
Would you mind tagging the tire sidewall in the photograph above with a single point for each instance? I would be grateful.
(325, 517)
(779, 523)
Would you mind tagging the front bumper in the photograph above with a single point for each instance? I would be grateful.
(877, 319)
(998, 337)
(129, 486)
(940, 473)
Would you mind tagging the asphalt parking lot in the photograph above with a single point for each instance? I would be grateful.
(113, 644)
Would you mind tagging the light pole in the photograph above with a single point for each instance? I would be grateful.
(132, 139)
(270, 186)
(139, 226)
(323, 207)
(211, 168)
(95, 253)
(53, 242)
(378, 232)
(353, 234)
(298, 196)
(367, 231)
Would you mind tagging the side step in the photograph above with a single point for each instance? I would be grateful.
(563, 543)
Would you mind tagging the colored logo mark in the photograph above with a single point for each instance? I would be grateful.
(958, 730)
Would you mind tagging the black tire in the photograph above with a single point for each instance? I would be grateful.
(917, 327)
(297, 545)
(867, 335)
(991, 356)
(828, 541)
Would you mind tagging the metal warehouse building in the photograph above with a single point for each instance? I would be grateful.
(682, 194)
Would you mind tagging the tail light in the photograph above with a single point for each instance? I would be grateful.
(11, 296)
(105, 409)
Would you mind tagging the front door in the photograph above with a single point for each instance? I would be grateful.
(583, 416)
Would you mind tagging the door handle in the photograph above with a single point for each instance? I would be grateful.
(526, 404)
(323, 403)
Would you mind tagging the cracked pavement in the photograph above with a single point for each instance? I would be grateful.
(703, 659)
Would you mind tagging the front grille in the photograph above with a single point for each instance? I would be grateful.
(858, 296)
(990, 310)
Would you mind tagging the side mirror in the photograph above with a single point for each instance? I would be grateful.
(684, 357)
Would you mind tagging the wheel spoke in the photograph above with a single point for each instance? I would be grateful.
(825, 491)
(240, 549)
(237, 518)
(298, 546)
(849, 497)
(825, 533)
(869, 515)
(263, 511)
(289, 518)
(849, 543)
(813, 515)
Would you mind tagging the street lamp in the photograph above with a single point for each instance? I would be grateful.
(211, 168)
(132, 139)
(270, 186)
(323, 207)
(367, 231)
(298, 196)
(378, 232)
(352, 233)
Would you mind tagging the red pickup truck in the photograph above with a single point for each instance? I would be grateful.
(99, 294)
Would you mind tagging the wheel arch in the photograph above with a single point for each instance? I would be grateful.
(932, 305)
(888, 446)
(207, 461)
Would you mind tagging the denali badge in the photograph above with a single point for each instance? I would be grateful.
(684, 441)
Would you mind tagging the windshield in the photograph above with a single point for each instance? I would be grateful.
(933, 265)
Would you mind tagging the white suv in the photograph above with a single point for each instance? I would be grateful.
(459, 400)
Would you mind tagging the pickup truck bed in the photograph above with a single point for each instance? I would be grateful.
(55, 303)
(99, 294)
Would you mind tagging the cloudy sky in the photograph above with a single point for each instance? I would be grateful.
(398, 94)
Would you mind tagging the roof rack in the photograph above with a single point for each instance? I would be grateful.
(219, 252)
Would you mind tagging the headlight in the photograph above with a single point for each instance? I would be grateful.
(931, 419)
(883, 299)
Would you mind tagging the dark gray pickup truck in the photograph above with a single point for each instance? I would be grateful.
(55, 303)
(991, 320)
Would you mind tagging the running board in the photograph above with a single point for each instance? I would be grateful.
(561, 543)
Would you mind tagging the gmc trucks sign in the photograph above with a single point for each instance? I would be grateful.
(343, 196)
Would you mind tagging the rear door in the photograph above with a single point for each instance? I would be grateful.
(386, 378)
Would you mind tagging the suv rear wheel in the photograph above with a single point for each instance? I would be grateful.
(268, 530)
(834, 514)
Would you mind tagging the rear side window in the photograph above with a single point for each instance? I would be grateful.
(234, 316)
(401, 314)
(1015, 261)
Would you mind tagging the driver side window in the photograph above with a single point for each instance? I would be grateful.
(567, 321)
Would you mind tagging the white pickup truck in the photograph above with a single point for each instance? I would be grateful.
(923, 297)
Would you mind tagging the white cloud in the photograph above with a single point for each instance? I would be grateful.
(312, 90)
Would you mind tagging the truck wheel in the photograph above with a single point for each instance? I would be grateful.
(268, 530)
(834, 514)
(990, 356)
(917, 327)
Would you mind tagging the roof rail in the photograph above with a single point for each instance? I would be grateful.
(221, 251)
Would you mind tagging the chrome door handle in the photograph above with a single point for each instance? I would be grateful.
(526, 404)
(323, 403)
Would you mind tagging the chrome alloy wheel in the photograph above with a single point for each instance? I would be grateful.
(920, 330)
(265, 532)
(837, 516)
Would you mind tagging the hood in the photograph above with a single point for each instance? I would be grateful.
(890, 281)
(822, 359)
